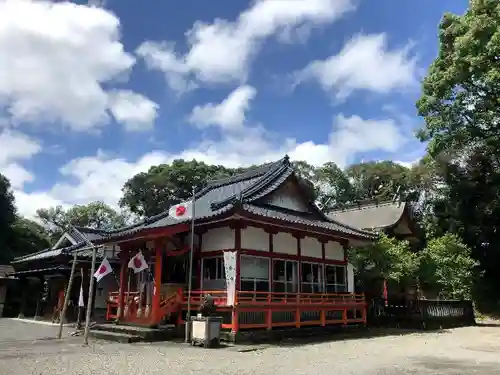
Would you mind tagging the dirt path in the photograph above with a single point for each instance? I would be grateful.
(30, 349)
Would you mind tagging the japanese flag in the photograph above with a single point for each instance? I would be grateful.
(103, 270)
(182, 210)
(137, 263)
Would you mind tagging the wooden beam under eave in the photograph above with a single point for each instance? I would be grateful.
(148, 235)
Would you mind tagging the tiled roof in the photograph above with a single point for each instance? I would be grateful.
(220, 196)
(47, 254)
(49, 270)
(52, 253)
(370, 216)
(328, 225)
(5, 270)
(90, 233)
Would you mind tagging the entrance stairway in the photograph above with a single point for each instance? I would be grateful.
(134, 333)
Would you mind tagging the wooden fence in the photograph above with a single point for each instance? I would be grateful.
(421, 313)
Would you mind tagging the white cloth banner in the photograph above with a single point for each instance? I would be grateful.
(350, 278)
(230, 271)
(81, 302)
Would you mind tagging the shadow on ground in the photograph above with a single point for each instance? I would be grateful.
(353, 334)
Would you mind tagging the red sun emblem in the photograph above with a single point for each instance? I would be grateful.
(137, 262)
(180, 210)
(102, 269)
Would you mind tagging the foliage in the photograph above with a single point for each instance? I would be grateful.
(336, 191)
(96, 215)
(27, 237)
(152, 192)
(18, 236)
(447, 266)
(387, 258)
(461, 93)
(7, 217)
(378, 180)
(460, 105)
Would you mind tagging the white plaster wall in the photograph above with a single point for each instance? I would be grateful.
(334, 251)
(284, 243)
(287, 199)
(311, 247)
(254, 239)
(218, 239)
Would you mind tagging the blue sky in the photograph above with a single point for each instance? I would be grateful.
(98, 92)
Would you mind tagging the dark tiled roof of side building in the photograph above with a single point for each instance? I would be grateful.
(370, 216)
(220, 196)
(77, 234)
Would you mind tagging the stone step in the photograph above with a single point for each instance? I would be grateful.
(163, 333)
(115, 336)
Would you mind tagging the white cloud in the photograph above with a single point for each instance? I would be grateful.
(55, 59)
(229, 114)
(364, 63)
(14, 148)
(222, 51)
(102, 176)
(135, 111)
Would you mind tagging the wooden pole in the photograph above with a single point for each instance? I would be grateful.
(62, 316)
(187, 325)
(80, 308)
(91, 296)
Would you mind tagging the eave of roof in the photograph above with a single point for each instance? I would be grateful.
(329, 225)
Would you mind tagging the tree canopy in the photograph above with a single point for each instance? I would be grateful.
(150, 193)
(97, 215)
(460, 105)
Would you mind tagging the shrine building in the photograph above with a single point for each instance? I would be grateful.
(266, 253)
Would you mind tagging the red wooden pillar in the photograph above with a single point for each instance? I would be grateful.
(157, 287)
(237, 248)
(123, 276)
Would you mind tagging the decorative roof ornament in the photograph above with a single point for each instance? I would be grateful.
(286, 160)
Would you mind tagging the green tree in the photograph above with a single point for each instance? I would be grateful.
(380, 181)
(7, 218)
(460, 105)
(27, 237)
(461, 93)
(152, 192)
(335, 189)
(97, 215)
(386, 258)
(446, 266)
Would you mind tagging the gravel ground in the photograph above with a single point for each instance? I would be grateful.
(28, 348)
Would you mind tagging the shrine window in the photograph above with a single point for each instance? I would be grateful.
(254, 274)
(285, 276)
(213, 273)
(311, 278)
(335, 279)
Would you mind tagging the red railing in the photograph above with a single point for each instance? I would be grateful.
(253, 310)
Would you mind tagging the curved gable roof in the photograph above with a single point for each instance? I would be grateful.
(371, 216)
(223, 195)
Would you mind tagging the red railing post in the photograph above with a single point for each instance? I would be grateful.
(344, 316)
(234, 320)
(322, 315)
